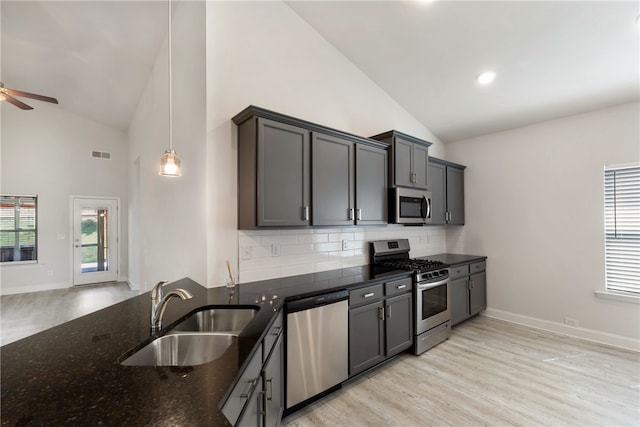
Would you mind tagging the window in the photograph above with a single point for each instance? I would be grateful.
(18, 228)
(622, 228)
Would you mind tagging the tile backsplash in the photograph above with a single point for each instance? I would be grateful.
(266, 254)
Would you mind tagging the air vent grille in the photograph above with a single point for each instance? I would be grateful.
(100, 155)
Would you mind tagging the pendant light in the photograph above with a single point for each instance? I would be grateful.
(170, 162)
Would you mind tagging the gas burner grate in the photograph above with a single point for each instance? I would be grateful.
(420, 265)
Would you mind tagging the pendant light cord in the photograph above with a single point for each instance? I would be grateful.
(170, 92)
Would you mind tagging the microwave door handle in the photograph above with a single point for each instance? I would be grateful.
(428, 208)
(425, 207)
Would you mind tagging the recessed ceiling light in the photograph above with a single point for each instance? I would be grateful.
(486, 77)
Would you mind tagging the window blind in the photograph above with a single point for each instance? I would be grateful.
(622, 228)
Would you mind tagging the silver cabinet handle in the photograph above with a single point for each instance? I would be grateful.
(269, 395)
(351, 214)
(262, 402)
(381, 313)
(252, 384)
(389, 311)
(359, 214)
(369, 295)
(401, 286)
(305, 213)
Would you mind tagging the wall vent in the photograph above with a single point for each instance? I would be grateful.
(100, 155)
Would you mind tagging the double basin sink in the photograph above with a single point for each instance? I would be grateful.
(200, 338)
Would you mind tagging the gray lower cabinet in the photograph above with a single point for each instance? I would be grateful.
(398, 324)
(272, 377)
(468, 288)
(446, 184)
(366, 337)
(380, 323)
(258, 397)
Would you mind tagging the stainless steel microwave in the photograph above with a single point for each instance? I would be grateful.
(409, 206)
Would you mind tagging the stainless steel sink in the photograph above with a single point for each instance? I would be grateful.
(181, 349)
(219, 319)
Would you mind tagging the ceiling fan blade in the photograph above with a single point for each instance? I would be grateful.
(31, 95)
(11, 100)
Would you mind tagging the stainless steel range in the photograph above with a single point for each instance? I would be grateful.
(431, 297)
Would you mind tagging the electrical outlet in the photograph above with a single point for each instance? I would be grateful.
(245, 252)
(345, 245)
(572, 322)
(275, 249)
(50, 273)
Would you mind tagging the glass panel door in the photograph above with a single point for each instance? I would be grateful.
(95, 240)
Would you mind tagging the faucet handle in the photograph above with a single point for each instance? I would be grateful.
(156, 292)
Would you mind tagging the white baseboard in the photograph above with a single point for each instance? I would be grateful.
(5, 290)
(560, 328)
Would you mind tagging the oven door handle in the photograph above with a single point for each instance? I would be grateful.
(432, 285)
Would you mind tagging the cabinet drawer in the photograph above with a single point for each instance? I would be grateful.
(365, 295)
(244, 388)
(459, 271)
(272, 336)
(477, 267)
(398, 287)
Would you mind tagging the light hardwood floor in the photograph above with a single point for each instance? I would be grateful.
(23, 315)
(491, 373)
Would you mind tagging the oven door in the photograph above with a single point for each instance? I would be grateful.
(433, 305)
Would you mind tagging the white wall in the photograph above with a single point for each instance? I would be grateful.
(534, 203)
(167, 215)
(262, 53)
(47, 151)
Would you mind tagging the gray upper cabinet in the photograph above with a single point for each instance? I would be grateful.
(274, 174)
(332, 178)
(293, 173)
(408, 161)
(371, 185)
(455, 195)
(446, 184)
(438, 189)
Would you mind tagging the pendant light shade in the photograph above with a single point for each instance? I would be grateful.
(170, 164)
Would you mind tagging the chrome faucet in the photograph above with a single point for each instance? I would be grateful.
(159, 303)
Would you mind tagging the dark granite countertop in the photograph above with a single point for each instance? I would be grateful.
(455, 259)
(70, 375)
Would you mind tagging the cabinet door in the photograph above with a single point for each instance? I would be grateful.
(399, 323)
(371, 185)
(332, 180)
(283, 175)
(437, 187)
(252, 415)
(366, 337)
(455, 195)
(459, 290)
(403, 169)
(420, 161)
(273, 386)
(477, 293)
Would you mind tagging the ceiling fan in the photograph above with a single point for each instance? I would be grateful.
(9, 94)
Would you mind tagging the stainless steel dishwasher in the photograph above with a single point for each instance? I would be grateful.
(317, 345)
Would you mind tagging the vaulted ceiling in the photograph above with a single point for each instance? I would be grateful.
(551, 58)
